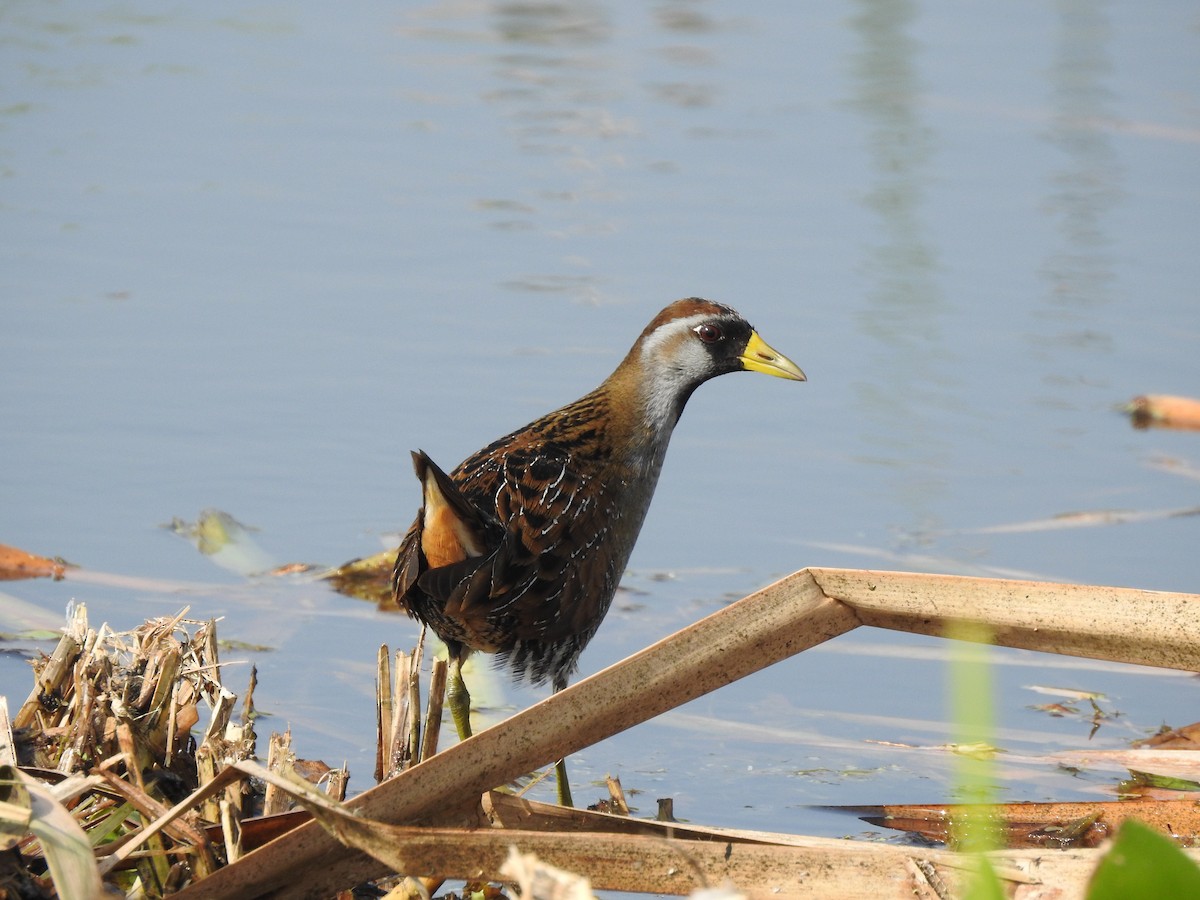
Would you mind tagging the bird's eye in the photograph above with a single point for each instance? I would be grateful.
(709, 333)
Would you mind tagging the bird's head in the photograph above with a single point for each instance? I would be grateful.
(690, 342)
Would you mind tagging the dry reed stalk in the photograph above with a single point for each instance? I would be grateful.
(8, 747)
(403, 738)
(231, 831)
(1151, 628)
(616, 796)
(433, 715)
(412, 726)
(151, 810)
(280, 758)
(129, 699)
(49, 680)
(384, 713)
(676, 859)
(336, 782)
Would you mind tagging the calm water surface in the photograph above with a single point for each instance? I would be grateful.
(252, 255)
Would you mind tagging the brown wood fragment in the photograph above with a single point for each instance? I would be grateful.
(1185, 738)
(16, 564)
(1055, 825)
(281, 759)
(616, 796)
(1164, 411)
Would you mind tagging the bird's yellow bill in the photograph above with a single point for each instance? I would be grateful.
(759, 357)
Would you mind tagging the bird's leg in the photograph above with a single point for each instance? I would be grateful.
(564, 789)
(560, 767)
(459, 701)
(458, 698)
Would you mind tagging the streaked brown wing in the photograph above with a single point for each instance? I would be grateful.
(552, 570)
(424, 591)
(408, 564)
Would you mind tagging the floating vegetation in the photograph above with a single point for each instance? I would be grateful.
(1164, 411)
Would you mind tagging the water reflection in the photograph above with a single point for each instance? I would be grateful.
(904, 303)
(568, 25)
(1079, 272)
(570, 101)
(549, 75)
(547, 72)
(686, 20)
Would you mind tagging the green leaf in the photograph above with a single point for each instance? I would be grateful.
(1166, 782)
(1143, 863)
(984, 883)
(66, 848)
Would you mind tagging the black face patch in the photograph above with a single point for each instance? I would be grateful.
(725, 351)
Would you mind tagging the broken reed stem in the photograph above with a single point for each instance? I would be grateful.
(403, 739)
(80, 722)
(231, 830)
(433, 715)
(383, 711)
(206, 773)
(47, 684)
(8, 747)
(399, 760)
(616, 795)
(221, 712)
(172, 718)
(248, 713)
(412, 750)
(413, 746)
(336, 781)
(157, 723)
(280, 759)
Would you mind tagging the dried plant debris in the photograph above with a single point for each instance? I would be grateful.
(1070, 705)
(1167, 738)
(369, 578)
(231, 545)
(135, 741)
(226, 541)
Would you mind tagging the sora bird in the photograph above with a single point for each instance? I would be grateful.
(519, 550)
